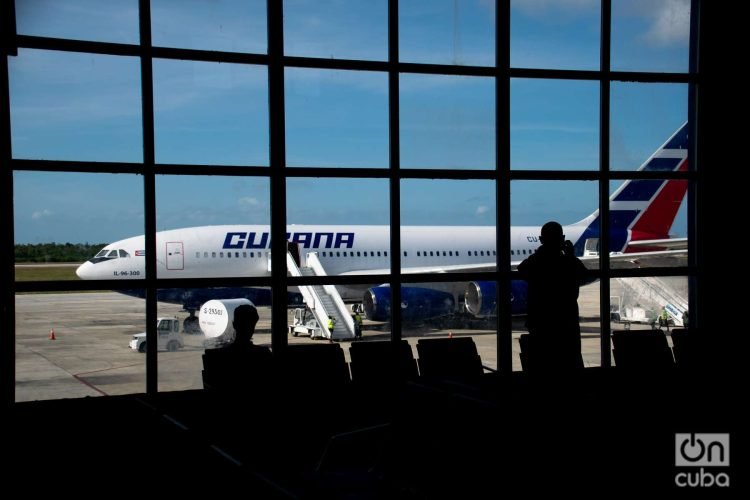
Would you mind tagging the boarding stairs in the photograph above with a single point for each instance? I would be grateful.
(655, 293)
(322, 300)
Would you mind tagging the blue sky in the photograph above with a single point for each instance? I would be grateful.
(67, 106)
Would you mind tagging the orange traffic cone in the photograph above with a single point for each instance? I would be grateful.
(52, 334)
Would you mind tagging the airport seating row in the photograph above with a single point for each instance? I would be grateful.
(373, 364)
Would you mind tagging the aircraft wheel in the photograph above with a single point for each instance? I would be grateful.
(190, 325)
(142, 347)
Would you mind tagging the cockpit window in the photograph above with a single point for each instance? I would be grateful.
(112, 254)
(123, 253)
(101, 253)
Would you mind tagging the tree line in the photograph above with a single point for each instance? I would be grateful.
(56, 252)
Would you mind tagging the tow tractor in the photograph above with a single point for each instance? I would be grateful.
(168, 335)
(304, 322)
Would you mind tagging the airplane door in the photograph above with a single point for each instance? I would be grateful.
(175, 256)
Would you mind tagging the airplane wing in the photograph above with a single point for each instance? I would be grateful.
(665, 244)
(666, 258)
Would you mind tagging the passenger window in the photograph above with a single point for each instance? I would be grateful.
(244, 255)
(197, 255)
(405, 254)
(385, 254)
(213, 255)
(229, 255)
(358, 254)
(205, 255)
(221, 255)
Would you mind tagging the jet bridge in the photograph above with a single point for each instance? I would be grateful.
(322, 300)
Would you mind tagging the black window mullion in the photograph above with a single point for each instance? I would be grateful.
(277, 157)
(394, 154)
(149, 195)
(503, 186)
(604, 117)
(7, 275)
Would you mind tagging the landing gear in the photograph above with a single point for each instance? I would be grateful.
(190, 325)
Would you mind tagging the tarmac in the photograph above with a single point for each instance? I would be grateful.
(90, 356)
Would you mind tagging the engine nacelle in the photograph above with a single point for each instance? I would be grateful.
(481, 298)
(417, 304)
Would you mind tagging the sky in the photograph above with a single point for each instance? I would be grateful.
(71, 106)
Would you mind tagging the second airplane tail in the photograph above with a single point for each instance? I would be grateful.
(645, 209)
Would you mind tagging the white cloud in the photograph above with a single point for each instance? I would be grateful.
(40, 214)
(248, 200)
(669, 23)
(482, 209)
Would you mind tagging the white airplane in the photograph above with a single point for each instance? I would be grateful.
(641, 215)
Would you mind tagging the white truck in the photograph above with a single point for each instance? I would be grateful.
(169, 337)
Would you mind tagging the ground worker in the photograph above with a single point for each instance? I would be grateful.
(664, 318)
(331, 324)
(357, 325)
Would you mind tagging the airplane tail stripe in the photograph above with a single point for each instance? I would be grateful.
(639, 190)
(661, 164)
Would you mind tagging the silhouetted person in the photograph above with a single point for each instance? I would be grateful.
(241, 363)
(553, 274)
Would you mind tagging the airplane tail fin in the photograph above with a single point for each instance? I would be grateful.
(645, 209)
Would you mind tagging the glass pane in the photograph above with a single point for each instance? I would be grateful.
(111, 21)
(651, 36)
(210, 25)
(210, 113)
(447, 223)
(644, 313)
(72, 106)
(347, 230)
(338, 312)
(555, 35)
(647, 117)
(67, 218)
(355, 29)
(193, 320)
(648, 223)
(554, 124)
(336, 118)
(574, 205)
(447, 121)
(75, 345)
(212, 226)
(460, 32)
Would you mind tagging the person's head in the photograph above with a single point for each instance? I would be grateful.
(552, 234)
(245, 319)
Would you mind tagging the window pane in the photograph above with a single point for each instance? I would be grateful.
(348, 229)
(645, 210)
(355, 29)
(309, 309)
(210, 113)
(187, 330)
(212, 226)
(447, 122)
(89, 355)
(447, 223)
(645, 312)
(72, 106)
(554, 124)
(555, 35)
(67, 218)
(651, 36)
(336, 118)
(460, 32)
(111, 21)
(645, 116)
(210, 25)
(574, 205)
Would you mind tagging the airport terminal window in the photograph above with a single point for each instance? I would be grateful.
(198, 130)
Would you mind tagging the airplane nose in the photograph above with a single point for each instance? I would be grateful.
(82, 270)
